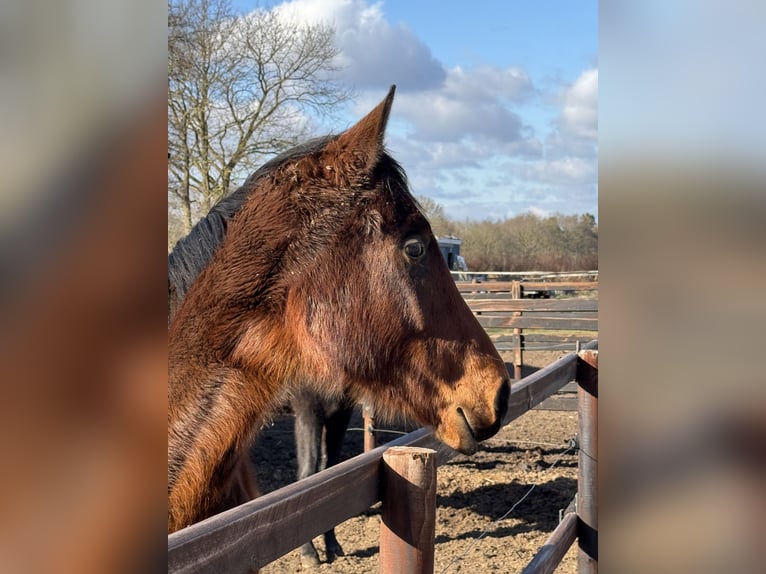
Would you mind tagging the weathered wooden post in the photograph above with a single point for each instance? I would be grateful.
(517, 292)
(368, 416)
(587, 480)
(408, 522)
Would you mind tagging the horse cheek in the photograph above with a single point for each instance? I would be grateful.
(308, 322)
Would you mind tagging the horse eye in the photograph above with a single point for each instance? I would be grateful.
(414, 249)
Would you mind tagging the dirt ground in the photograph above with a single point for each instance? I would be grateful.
(474, 530)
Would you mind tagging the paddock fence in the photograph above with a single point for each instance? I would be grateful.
(260, 531)
(550, 312)
(558, 312)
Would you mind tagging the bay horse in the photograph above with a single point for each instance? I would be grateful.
(327, 273)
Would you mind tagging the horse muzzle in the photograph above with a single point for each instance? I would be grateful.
(464, 425)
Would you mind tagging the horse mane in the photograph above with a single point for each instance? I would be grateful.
(192, 253)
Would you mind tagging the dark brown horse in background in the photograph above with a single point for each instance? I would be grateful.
(328, 273)
(320, 425)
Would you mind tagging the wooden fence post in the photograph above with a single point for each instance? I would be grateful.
(368, 416)
(408, 521)
(517, 292)
(587, 480)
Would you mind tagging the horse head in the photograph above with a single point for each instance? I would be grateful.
(328, 273)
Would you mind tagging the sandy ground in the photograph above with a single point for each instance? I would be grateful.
(475, 532)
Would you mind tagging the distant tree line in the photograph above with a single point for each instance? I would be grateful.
(526, 242)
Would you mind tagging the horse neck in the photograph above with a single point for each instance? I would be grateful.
(224, 377)
(214, 411)
(222, 350)
(235, 346)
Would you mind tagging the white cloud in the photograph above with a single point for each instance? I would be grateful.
(580, 111)
(440, 105)
(489, 84)
(439, 116)
(374, 54)
(538, 211)
(470, 105)
(563, 171)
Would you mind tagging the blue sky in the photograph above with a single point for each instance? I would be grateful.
(496, 107)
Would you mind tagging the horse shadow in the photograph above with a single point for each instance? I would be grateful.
(539, 510)
(536, 458)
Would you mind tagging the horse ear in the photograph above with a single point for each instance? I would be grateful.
(361, 146)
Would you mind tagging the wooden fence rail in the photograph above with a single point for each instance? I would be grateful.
(498, 276)
(252, 535)
(501, 307)
(555, 547)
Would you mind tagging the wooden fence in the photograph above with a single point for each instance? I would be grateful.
(501, 307)
(260, 531)
(542, 276)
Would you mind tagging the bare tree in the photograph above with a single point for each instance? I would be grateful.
(239, 89)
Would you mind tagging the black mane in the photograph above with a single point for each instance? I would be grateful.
(192, 253)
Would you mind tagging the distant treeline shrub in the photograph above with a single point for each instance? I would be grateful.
(526, 242)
